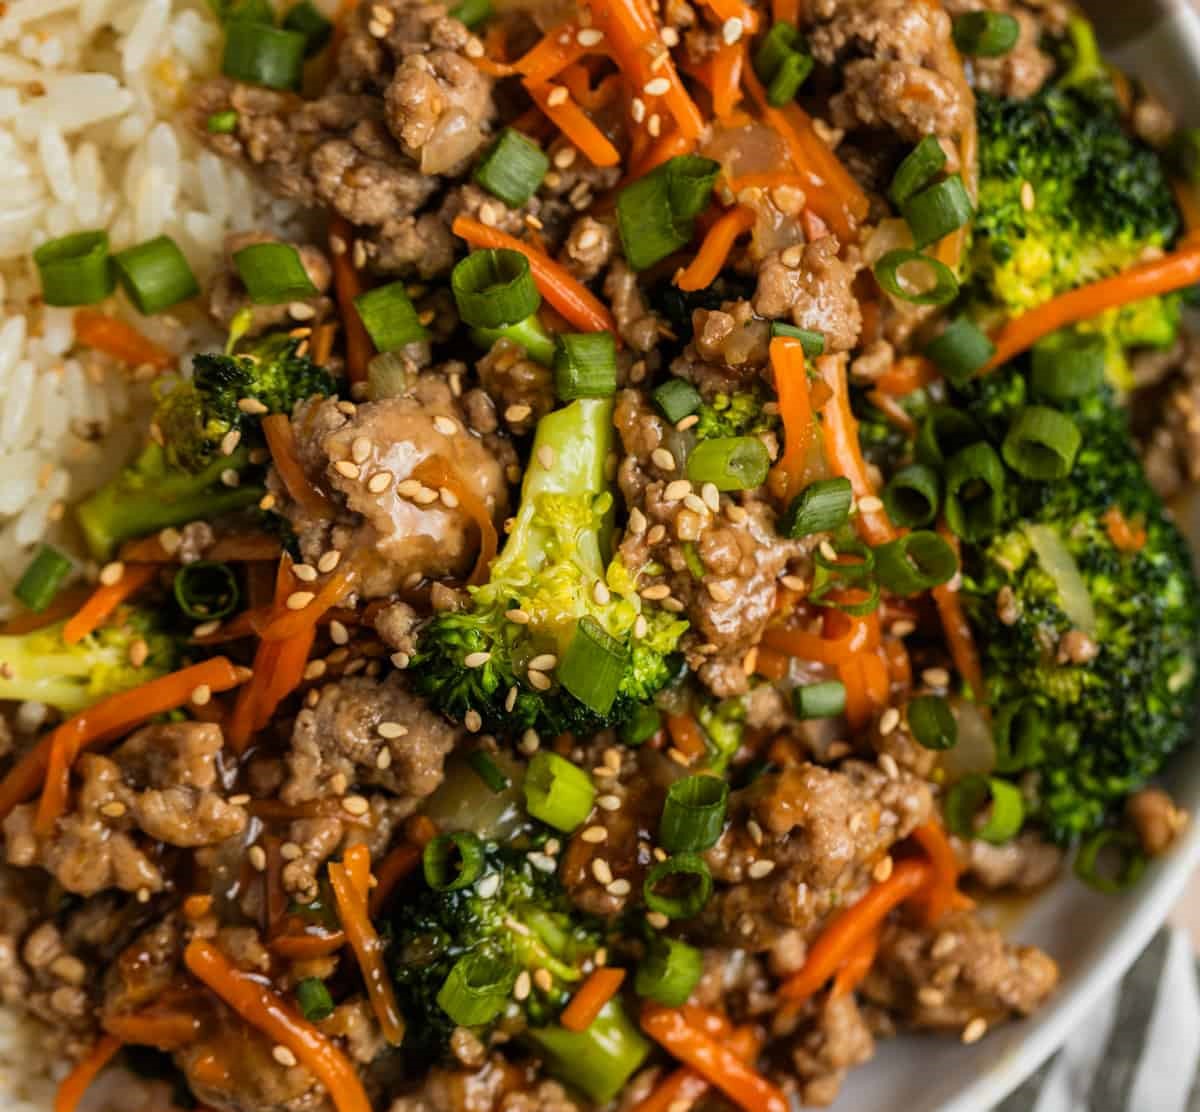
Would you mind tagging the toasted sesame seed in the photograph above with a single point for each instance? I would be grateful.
(257, 856)
(252, 406)
(883, 869)
(448, 497)
(637, 109)
(793, 582)
(656, 534)
(384, 761)
(640, 626)
(399, 660)
(447, 426)
(655, 591)
(545, 455)
(281, 1053)
(328, 561)
(290, 851)
(888, 721)
(902, 628)
(543, 862)
(594, 835)
(600, 593)
(564, 158)
(522, 986)
(206, 629)
(391, 730)
(476, 660)
(589, 36)
(472, 721)
(230, 478)
(346, 468)
(936, 677)
(338, 633)
(888, 763)
(201, 694)
(543, 980)
(539, 681)
(637, 522)
(695, 503)
(113, 810)
(556, 96)
(761, 868)
(304, 572)
(229, 442)
(425, 496)
(685, 423)
(239, 800)
(510, 700)
(517, 412)
(298, 600)
(657, 920)
(677, 490)
(711, 496)
(750, 661)
(355, 805)
(488, 886)
(755, 831)
(112, 574)
(828, 551)
(517, 616)
(619, 887)
(409, 488)
(546, 662)
(657, 87)
(315, 669)
(601, 870)
(139, 651)
(379, 482)
(663, 459)
(869, 504)
(975, 1030)
(719, 593)
(731, 30)
(608, 802)
(530, 742)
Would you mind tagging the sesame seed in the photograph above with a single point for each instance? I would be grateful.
(391, 730)
(510, 700)
(517, 413)
(257, 856)
(640, 626)
(530, 742)
(619, 887)
(230, 478)
(447, 426)
(600, 593)
(305, 572)
(448, 497)
(409, 488)
(229, 442)
(654, 125)
(750, 661)
(657, 919)
(655, 591)
(556, 96)
(267, 501)
(239, 800)
(488, 886)
(1028, 196)
(677, 490)
(112, 574)
(608, 803)
(290, 851)
(975, 1030)
(328, 561)
(282, 1054)
(601, 870)
(138, 653)
(828, 551)
(522, 986)
(588, 238)
(670, 36)
(685, 423)
(346, 468)
(545, 455)
(793, 582)
(355, 805)
(539, 681)
(425, 496)
(594, 835)
(731, 30)
(338, 633)
(543, 862)
(888, 763)
(384, 761)
(718, 592)
(476, 660)
(565, 158)
(472, 721)
(883, 869)
(543, 980)
(399, 660)
(888, 721)
(663, 459)
(656, 534)
(517, 616)
(589, 36)
(755, 831)
(315, 669)
(658, 87)
(298, 600)
(546, 662)
(206, 629)
(360, 449)
(252, 406)
(695, 503)
(903, 628)
(637, 522)
(201, 694)
(637, 109)
(936, 677)
(113, 810)
(869, 504)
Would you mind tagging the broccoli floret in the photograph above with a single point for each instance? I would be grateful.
(737, 414)
(513, 918)
(547, 575)
(183, 474)
(42, 667)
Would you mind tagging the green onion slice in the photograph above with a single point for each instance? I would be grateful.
(984, 807)
(690, 180)
(918, 169)
(512, 168)
(273, 273)
(986, 34)
(206, 590)
(821, 507)
(43, 578)
(477, 988)
(75, 269)
(472, 12)
(788, 78)
(305, 19)
(494, 288)
(932, 722)
(1067, 367)
(914, 563)
(1092, 869)
(1017, 731)
(314, 1000)
(156, 275)
(777, 45)
(813, 343)
(263, 55)
(649, 229)
(911, 496)
(452, 861)
(669, 972)
(945, 432)
(677, 399)
(819, 700)
(389, 317)
(730, 462)
(592, 667)
(1042, 443)
(937, 287)
(585, 365)
(974, 505)
(678, 887)
(642, 725)
(557, 792)
(937, 210)
(837, 576)
(488, 771)
(529, 333)
(961, 350)
(693, 815)
(222, 123)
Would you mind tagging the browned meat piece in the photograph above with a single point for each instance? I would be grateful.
(911, 100)
(1025, 864)
(355, 1022)
(521, 389)
(144, 970)
(959, 975)
(638, 326)
(835, 1040)
(1156, 818)
(396, 625)
(226, 295)
(588, 248)
(363, 731)
(889, 28)
(499, 1086)
(1024, 69)
(366, 178)
(470, 200)
(732, 335)
(814, 287)
(421, 245)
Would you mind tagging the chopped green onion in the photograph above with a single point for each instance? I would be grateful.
(669, 972)
(263, 55)
(961, 350)
(777, 45)
(678, 887)
(529, 333)
(1067, 367)
(273, 273)
(730, 462)
(986, 34)
(155, 275)
(984, 807)
(206, 590)
(488, 771)
(937, 210)
(918, 169)
(512, 168)
(855, 571)
(940, 287)
(593, 665)
(944, 432)
(911, 496)
(690, 180)
(477, 988)
(820, 507)
(313, 997)
(557, 792)
(390, 317)
(1042, 443)
(819, 700)
(598, 1061)
(813, 343)
(691, 557)
(655, 213)
(249, 11)
(452, 861)
(222, 123)
(932, 722)
(585, 365)
(1131, 861)
(472, 12)
(914, 563)
(642, 725)
(836, 575)
(693, 815)
(494, 288)
(788, 78)
(75, 269)
(43, 578)
(677, 399)
(975, 492)
(1017, 731)
(309, 22)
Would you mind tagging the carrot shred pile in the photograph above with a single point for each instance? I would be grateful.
(281, 440)
(728, 61)
(713, 252)
(105, 599)
(573, 122)
(100, 332)
(591, 997)
(348, 285)
(74, 1086)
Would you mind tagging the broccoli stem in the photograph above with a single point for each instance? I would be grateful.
(597, 1061)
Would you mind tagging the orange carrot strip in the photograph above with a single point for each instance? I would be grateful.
(1125, 537)
(1176, 271)
(281, 440)
(771, 664)
(838, 940)
(591, 996)
(684, 1087)
(348, 284)
(829, 648)
(73, 1087)
(726, 88)
(714, 1061)
(399, 863)
(105, 599)
(932, 839)
(574, 123)
(713, 253)
(957, 629)
(49, 761)
(307, 947)
(64, 605)
(857, 966)
(710, 1021)
(843, 452)
(436, 473)
(122, 341)
(686, 735)
(322, 342)
(899, 664)
(552, 54)
(795, 409)
(785, 11)
(246, 714)
(578, 305)
(909, 373)
(662, 150)
(265, 1010)
(291, 623)
(163, 1030)
(350, 890)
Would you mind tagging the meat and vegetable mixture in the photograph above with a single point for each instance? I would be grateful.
(667, 542)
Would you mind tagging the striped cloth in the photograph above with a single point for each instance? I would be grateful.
(1140, 1049)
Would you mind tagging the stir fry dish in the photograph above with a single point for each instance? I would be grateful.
(674, 525)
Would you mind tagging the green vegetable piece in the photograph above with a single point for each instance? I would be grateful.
(557, 792)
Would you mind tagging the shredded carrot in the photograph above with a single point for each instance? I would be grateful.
(790, 369)
(713, 253)
(122, 341)
(307, 947)
(898, 662)
(683, 1087)
(291, 623)
(727, 64)
(281, 440)
(437, 473)
(1125, 537)
(843, 452)
(843, 637)
(932, 839)
(857, 966)
(322, 342)
(197, 906)
(907, 374)
(838, 940)
(163, 1030)
(1175, 271)
(348, 284)
(266, 1011)
(591, 997)
(771, 664)
(72, 1088)
(105, 599)
(686, 735)
(577, 304)
(49, 762)
(712, 1059)
(574, 123)
(246, 713)
(349, 880)
(957, 629)
(786, 11)
(552, 54)
(662, 150)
